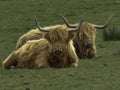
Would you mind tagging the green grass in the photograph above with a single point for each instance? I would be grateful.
(99, 73)
(111, 34)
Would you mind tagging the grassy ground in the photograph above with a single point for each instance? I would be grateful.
(100, 73)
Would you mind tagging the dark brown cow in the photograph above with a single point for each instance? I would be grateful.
(84, 40)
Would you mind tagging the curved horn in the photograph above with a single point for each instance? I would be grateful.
(66, 21)
(77, 28)
(39, 26)
(105, 25)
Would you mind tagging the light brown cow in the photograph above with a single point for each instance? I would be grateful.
(54, 50)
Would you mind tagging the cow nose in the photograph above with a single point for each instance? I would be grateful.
(57, 51)
(89, 45)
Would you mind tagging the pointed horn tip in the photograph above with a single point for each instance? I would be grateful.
(40, 27)
(81, 21)
(35, 19)
(56, 14)
(113, 14)
(110, 18)
(60, 16)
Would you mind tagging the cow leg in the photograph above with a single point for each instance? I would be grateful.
(41, 61)
(73, 61)
(10, 61)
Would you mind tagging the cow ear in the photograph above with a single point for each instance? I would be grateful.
(47, 36)
(71, 35)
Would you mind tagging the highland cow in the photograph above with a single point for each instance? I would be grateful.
(54, 50)
(84, 40)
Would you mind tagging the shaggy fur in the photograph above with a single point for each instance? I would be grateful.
(41, 53)
(84, 40)
(33, 34)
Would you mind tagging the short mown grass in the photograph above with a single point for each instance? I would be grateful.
(99, 73)
(111, 33)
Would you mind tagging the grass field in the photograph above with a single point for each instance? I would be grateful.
(99, 73)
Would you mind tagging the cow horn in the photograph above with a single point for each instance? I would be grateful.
(66, 21)
(105, 25)
(39, 26)
(76, 28)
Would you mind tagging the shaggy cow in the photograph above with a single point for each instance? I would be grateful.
(84, 41)
(54, 50)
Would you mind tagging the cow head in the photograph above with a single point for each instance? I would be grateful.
(58, 37)
(86, 36)
(85, 41)
(59, 40)
(83, 38)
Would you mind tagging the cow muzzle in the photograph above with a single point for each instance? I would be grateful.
(57, 51)
(88, 44)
